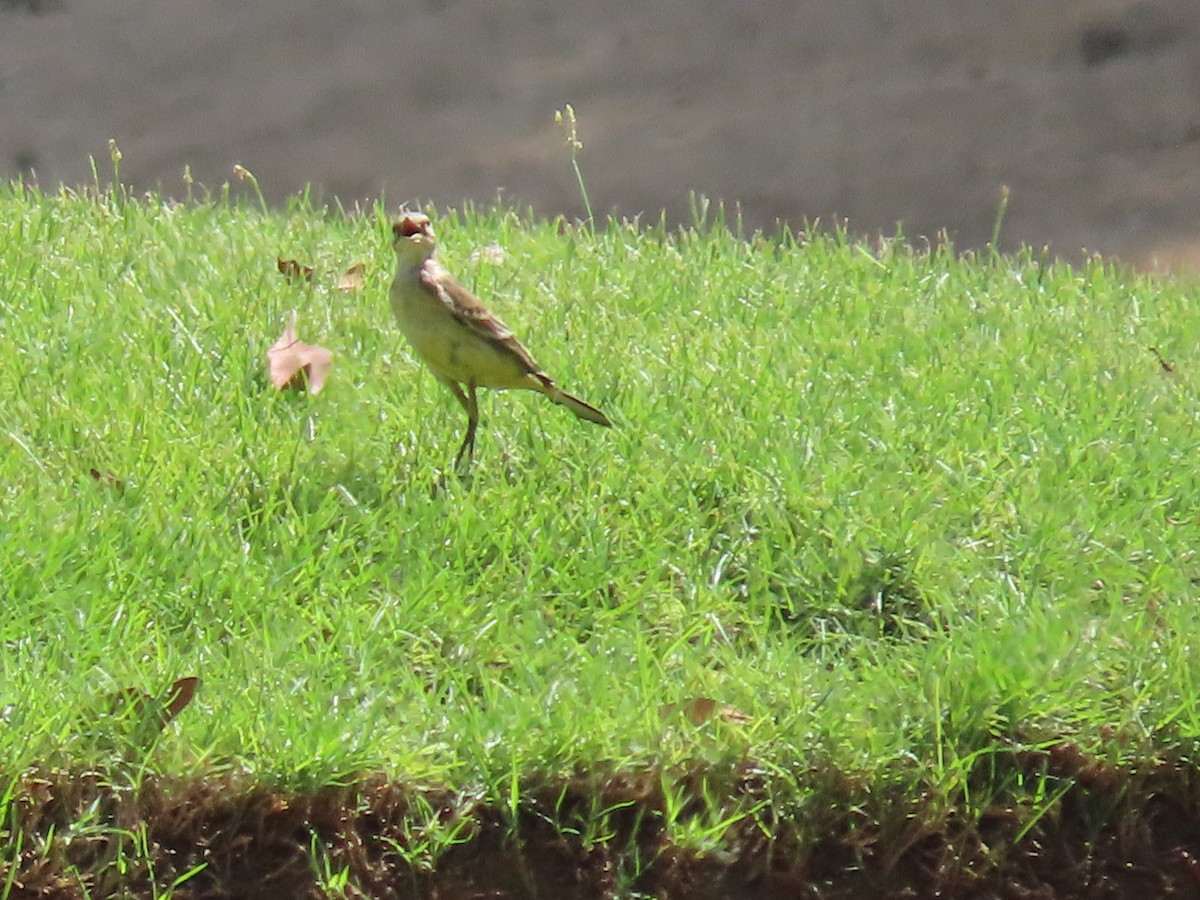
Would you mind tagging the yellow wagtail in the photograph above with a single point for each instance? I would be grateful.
(457, 336)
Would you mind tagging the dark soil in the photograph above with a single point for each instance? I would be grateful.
(1113, 834)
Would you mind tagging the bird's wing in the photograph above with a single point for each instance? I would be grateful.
(467, 310)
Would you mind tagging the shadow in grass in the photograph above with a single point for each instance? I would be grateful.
(878, 598)
(1111, 833)
(820, 590)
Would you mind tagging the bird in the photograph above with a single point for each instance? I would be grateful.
(461, 341)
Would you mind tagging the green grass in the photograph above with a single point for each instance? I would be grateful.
(908, 512)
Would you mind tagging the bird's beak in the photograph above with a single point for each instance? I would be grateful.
(407, 227)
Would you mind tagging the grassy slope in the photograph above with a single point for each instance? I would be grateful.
(904, 511)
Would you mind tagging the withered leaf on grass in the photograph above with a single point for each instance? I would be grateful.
(699, 710)
(292, 270)
(354, 278)
(108, 478)
(293, 363)
(182, 692)
(155, 714)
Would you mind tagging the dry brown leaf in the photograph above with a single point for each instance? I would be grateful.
(293, 363)
(106, 478)
(699, 710)
(181, 694)
(130, 700)
(733, 715)
(292, 270)
(354, 278)
(153, 714)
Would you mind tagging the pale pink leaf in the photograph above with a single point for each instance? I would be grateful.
(293, 363)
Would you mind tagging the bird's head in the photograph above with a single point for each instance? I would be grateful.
(412, 238)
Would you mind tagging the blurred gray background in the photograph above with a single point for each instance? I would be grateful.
(877, 111)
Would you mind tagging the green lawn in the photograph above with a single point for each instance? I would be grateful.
(909, 515)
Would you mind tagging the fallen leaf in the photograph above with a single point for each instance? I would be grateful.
(354, 278)
(293, 363)
(148, 715)
(182, 692)
(699, 710)
(734, 715)
(106, 478)
(130, 701)
(292, 270)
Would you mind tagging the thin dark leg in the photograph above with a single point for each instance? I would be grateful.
(472, 424)
(470, 404)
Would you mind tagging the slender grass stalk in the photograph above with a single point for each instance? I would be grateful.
(1001, 209)
(566, 118)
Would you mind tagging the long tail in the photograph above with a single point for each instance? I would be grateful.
(577, 406)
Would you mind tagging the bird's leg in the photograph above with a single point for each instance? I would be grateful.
(468, 443)
(468, 402)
